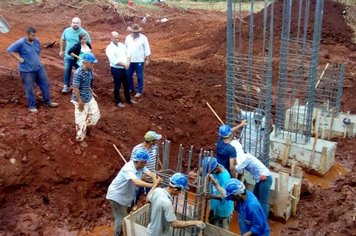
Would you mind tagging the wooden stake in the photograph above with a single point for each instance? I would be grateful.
(215, 113)
(117, 150)
(322, 75)
(286, 152)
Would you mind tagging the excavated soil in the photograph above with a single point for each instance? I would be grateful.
(51, 185)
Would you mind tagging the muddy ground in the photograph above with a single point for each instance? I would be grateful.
(51, 185)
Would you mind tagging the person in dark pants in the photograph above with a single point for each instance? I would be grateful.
(27, 52)
(119, 63)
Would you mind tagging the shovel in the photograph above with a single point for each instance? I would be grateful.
(4, 26)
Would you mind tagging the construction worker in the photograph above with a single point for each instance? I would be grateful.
(69, 38)
(27, 52)
(262, 177)
(86, 108)
(252, 220)
(220, 210)
(150, 145)
(225, 152)
(163, 217)
(122, 190)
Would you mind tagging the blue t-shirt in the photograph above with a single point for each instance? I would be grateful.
(222, 208)
(71, 37)
(29, 52)
(252, 217)
(225, 152)
(83, 81)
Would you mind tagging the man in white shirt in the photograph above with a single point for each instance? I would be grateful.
(139, 50)
(119, 63)
(122, 190)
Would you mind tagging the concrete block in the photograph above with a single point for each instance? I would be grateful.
(317, 155)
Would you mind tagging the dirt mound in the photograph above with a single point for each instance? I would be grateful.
(335, 29)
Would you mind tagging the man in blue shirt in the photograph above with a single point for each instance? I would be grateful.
(86, 108)
(70, 37)
(27, 52)
(220, 210)
(252, 219)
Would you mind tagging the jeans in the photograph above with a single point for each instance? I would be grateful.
(120, 77)
(119, 212)
(69, 63)
(40, 78)
(261, 191)
(138, 68)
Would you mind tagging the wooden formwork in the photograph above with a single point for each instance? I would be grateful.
(136, 223)
(285, 190)
(317, 155)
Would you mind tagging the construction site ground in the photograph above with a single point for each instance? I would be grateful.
(51, 185)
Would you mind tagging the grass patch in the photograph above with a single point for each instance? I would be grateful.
(214, 6)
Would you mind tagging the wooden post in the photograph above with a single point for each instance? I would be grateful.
(323, 159)
(311, 161)
(295, 198)
(286, 152)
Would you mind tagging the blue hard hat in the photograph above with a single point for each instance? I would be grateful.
(89, 57)
(140, 155)
(209, 164)
(178, 180)
(225, 131)
(234, 187)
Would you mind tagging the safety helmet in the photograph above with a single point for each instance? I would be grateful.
(140, 155)
(209, 164)
(225, 131)
(258, 115)
(234, 187)
(89, 57)
(178, 180)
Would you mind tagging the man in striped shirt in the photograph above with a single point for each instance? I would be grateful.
(150, 145)
(86, 108)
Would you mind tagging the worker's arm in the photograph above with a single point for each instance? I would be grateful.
(79, 99)
(217, 186)
(232, 162)
(183, 224)
(155, 185)
(239, 126)
(17, 57)
(74, 55)
(142, 183)
(61, 47)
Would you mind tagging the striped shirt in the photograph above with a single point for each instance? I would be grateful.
(83, 81)
(152, 153)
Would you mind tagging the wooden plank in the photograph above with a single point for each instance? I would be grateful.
(286, 152)
(295, 198)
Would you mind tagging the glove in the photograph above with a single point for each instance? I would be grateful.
(201, 225)
(263, 177)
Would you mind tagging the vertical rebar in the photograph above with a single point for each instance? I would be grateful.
(230, 70)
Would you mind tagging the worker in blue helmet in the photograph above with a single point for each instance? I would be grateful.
(251, 216)
(220, 210)
(163, 217)
(122, 190)
(225, 152)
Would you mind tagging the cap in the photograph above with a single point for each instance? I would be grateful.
(178, 180)
(225, 131)
(89, 57)
(152, 135)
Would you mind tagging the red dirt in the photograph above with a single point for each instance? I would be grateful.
(57, 187)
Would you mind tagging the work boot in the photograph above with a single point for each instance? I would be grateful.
(65, 89)
(52, 104)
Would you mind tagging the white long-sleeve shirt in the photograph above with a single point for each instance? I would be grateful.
(138, 48)
(117, 53)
